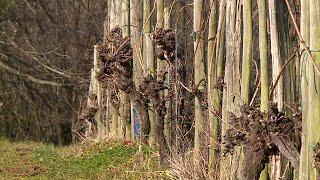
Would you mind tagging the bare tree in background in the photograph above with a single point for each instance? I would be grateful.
(46, 50)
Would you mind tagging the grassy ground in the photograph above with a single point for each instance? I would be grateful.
(112, 160)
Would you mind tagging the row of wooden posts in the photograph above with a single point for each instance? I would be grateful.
(229, 55)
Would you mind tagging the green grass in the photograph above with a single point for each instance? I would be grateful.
(112, 160)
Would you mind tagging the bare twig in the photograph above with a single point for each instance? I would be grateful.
(273, 86)
(306, 48)
(255, 93)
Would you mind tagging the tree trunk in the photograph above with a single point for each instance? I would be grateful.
(160, 24)
(120, 123)
(287, 45)
(125, 106)
(230, 168)
(137, 45)
(312, 119)
(264, 67)
(246, 67)
(168, 123)
(214, 106)
(200, 139)
(246, 51)
(113, 112)
(305, 33)
(276, 66)
(148, 52)
(97, 91)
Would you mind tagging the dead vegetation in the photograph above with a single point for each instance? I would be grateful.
(263, 136)
(166, 44)
(316, 157)
(115, 72)
(84, 125)
(115, 58)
